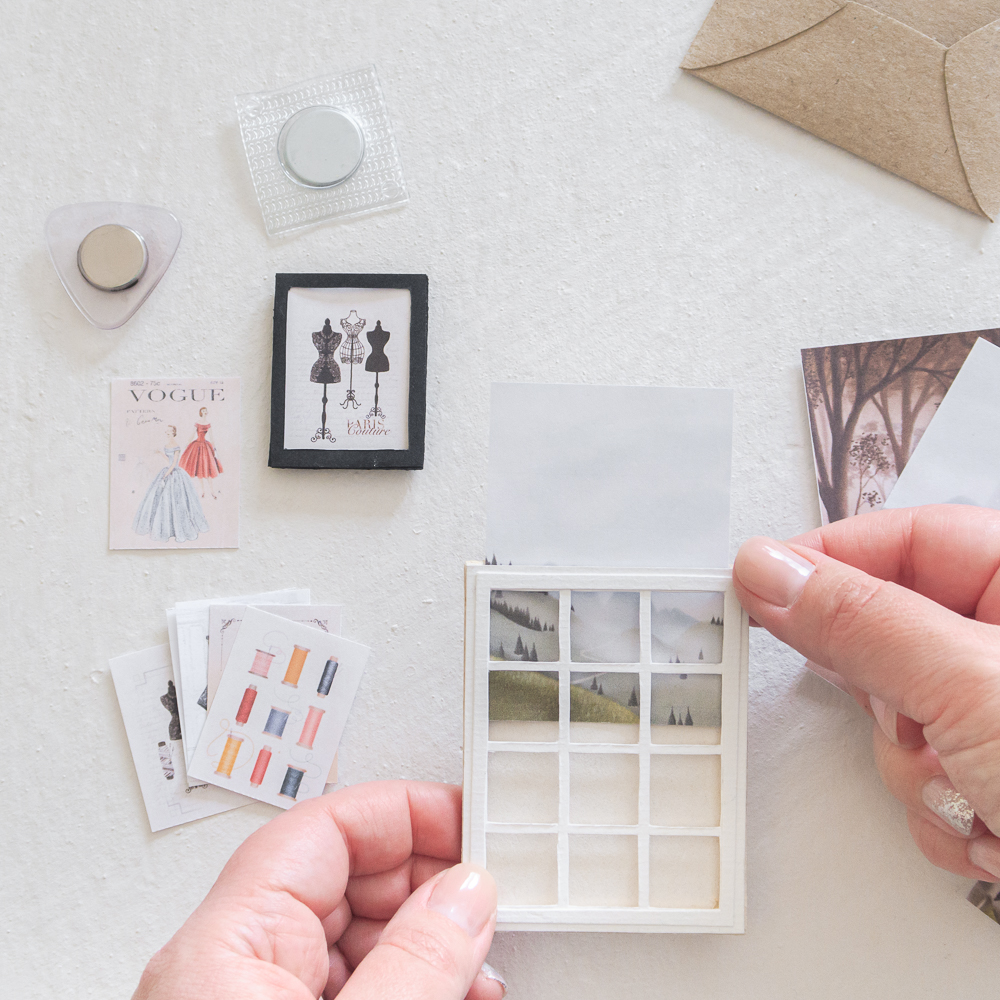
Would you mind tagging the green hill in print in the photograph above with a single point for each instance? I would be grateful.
(589, 706)
(524, 696)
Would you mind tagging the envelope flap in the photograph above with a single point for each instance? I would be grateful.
(972, 78)
(945, 21)
(737, 28)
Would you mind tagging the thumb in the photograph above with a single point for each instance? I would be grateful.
(435, 945)
(905, 649)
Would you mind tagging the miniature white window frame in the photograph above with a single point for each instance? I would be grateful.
(729, 916)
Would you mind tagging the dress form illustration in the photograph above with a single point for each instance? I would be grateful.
(377, 361)
(353, 351)
(325, 370)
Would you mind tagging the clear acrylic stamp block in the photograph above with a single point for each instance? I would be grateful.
(288, 177)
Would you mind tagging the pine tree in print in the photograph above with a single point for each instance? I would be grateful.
(534, 654)
(672, 721)
(633, 701)
(519, 648)
(687, 719)
(701, 654)
(600, 689)
(502, 654)
(593, 683)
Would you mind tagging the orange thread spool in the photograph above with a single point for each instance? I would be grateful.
(295, 665)
(233, 745)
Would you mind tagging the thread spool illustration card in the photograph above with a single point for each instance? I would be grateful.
(175, 463)
(275, 724)
(189, 632)
(224, 626)
(148, 701)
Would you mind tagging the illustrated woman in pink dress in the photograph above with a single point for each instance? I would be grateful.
(199, 460)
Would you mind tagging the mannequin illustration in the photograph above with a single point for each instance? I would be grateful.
(199, 460)
(353, 351)
(325, 370)
(377, 361)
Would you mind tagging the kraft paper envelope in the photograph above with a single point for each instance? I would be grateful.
(911, 85)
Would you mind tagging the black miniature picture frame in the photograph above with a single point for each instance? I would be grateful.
(349, 371)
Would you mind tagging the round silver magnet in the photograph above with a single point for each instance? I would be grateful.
(112, 257)
(320, 147)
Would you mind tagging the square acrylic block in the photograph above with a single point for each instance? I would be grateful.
(321, 150)
(607, 794)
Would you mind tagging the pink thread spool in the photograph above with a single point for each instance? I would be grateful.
(260, 768)
(309, 727)
(249, 696)
(261, 663)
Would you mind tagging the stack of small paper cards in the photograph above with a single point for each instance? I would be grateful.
(248, 701)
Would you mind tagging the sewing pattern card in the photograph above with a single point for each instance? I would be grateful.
(148, 700)
(347, 369)
(280, 710)
(175, 463)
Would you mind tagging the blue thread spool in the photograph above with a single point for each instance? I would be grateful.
(326, 681)
(276, 722)
(290, 786)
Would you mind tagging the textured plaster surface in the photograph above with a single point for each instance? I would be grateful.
(585, 213)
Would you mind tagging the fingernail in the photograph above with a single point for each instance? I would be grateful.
(886, 718)
(772, 571)
(467, 896)
(985, 852)
(488, 972)
(945, 800)
(830, 676)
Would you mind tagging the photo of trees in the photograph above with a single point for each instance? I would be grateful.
(869, 404)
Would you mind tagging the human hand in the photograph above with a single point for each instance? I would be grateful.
(348, 895)
(901, 609)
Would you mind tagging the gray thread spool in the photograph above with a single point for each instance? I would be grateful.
(290, 786)
(326, 681)
(276, 722)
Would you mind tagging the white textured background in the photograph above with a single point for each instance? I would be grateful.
(585, 213)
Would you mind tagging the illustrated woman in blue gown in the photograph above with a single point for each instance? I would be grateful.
(170, 508)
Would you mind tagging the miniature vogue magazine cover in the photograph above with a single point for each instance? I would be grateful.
(175, 463)
(349, 371)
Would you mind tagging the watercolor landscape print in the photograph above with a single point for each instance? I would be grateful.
(686, 626)
(524, 625)
(869, 404)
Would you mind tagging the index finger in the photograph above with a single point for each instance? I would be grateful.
(311, 850)
(947, 552)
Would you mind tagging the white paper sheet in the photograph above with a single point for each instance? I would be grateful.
(191, 665)
(142, 683)
(274, 727)
(958, 458)
(632, 476)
